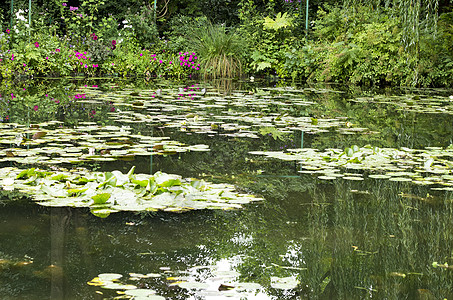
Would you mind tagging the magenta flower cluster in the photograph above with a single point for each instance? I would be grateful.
(81, 57)
(188, 60)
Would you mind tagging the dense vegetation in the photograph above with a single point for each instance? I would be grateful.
(399, 42)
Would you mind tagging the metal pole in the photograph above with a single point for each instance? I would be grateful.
(29, 20)
(12, 13)
(306, 18)
(155, 11)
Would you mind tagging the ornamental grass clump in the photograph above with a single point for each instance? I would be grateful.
(219, 51)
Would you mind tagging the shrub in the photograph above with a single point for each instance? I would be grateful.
(220, 51)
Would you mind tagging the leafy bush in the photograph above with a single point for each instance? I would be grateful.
(365, 47)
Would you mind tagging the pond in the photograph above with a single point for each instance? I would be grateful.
(224, 190)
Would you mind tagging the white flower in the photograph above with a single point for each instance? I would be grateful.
(127, 26)
(19, 15)
(125, 22)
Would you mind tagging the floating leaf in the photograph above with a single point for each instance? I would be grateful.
(101, 198)
(140, 292)
(284, 283)
(39, 135)
(109, 276)
(194, 285)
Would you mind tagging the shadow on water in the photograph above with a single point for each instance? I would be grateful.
(341, 239)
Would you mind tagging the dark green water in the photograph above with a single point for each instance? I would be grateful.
(341, 239)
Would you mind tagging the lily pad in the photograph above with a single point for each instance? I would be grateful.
(140, 292)
(109, 192)
(193, 285)
(284, 283)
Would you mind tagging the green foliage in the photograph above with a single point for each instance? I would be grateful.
(143, 27)
(365, 46)
(181, 29)
(220, 51)
(281, 21)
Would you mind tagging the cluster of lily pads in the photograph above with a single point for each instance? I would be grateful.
(422, 104)
(50, 144)
(200, 281)
(431, 166)
(109, 192)
(239, 114)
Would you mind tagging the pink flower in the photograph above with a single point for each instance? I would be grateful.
(160, 61)
(35, 108)
(64, 4)
(36, 44)
(141, 54)
(47, 57)
(7, 31)
(58, 50)
(170, 62)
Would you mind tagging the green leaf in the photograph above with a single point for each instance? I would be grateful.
(281, 21)
(152, 186)
(142, 183)
(102, 213)
(198, 184)
(263, 65)
(110, 179)
(75, 192)
(349, 152)
(60, 177)
(101, 198)
(166, 180)
(26, 173)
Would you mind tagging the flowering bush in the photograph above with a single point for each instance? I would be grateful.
(89, 47)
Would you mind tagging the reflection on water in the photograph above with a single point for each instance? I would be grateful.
(335, 239)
